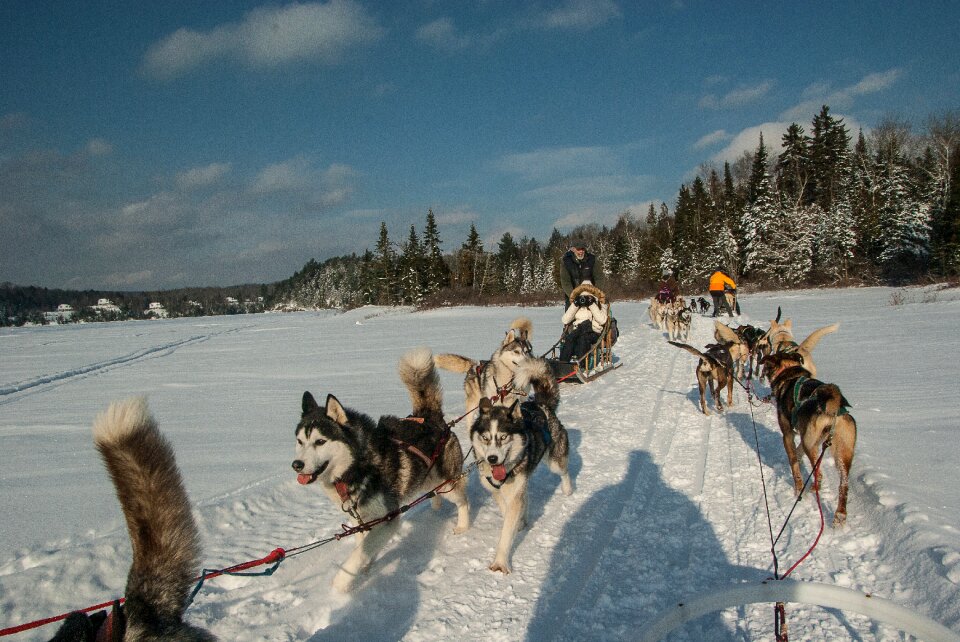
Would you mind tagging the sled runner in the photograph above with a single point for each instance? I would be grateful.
(597, 361)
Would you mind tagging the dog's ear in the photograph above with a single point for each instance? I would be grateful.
(514, 409)
(510, 338)
(788, 324)
(335, 411)
(485, 405)
(308, 404)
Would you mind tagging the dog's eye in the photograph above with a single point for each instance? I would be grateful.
(485, 438)
(319, 442)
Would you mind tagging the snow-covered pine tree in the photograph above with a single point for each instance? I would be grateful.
(436, 272)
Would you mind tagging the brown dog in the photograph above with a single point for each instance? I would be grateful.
(715, 371)
(817, 412)
(780, 339)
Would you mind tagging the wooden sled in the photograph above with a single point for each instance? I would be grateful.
(598, 361)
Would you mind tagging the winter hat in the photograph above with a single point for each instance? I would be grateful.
(578, 244)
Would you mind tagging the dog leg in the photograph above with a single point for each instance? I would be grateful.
(558, 465)
(789, 446)
(367, 548)
(730, 391)
(844, 440)
(702, 386)
(514, 518)
(458, 495)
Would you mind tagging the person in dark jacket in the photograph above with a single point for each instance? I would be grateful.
(669, 288)
(578, 266)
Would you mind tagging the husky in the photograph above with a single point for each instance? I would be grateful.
(817, 412)
(780, 339)
(743, 345)
(678, 320)
(704, 305)
(495, 378)
(658, 313)
(509, 442)
(369, 468)
(715, 371)
(163, 535)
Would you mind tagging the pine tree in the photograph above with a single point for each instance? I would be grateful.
(758, 172)
(437, 274)
(385, 269)
(509, 268)
(412, 270)
(829, 158)
(792, 166)
(469, 259)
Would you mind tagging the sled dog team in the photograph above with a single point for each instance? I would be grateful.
(370, 468)
(808, 409)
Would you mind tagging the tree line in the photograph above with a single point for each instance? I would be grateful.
(823, 210)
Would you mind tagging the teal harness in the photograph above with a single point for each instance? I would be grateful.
(797, 385)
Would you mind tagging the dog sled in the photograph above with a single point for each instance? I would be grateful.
(597, 361)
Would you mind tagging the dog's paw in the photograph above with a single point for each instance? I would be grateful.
(566, 487)
(501, 567)
(839, 520)
(460, 529)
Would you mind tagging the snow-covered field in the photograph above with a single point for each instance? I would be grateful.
(668, 502)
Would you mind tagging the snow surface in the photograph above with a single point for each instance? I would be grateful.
(668, 502)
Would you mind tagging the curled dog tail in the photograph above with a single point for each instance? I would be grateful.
(163, 535)
(455, 363)
(536, 372)
(524, 326)
(419, 375)
(811, 342)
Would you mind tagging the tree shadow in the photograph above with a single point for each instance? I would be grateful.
(634, 550)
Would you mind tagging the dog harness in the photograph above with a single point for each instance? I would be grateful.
(797, 390)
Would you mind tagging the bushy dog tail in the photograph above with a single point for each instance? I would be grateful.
(419, 375)
(455, 363)
(163, 535)
(524, 325)
(811, 342)
(536, 372)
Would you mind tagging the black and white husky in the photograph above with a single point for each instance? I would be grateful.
(372, 467)
(509, 442)
(163, 535)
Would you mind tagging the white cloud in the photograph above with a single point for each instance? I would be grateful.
(99, 147)
(580, 14)
(712, 138)
(203, 176)
(560, 161)
(819, 94)
(748, 139)
(738, 97)
(442, 34)
(268, 37)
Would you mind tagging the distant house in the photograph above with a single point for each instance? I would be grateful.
(64, 312)
(156, 311)
(105, 306)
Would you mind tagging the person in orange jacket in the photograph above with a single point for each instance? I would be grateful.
(719, 283)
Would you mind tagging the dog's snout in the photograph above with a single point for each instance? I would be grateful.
(297, 465)
(493, 459)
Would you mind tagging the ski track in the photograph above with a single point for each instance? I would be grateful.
(676, 485)
(9, 392)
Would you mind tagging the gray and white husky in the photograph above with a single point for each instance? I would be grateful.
(374, 466)
(163, 535)
(509, 442)
(487, 378)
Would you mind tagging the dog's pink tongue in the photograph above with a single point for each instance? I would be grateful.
(304, 479)
(499, 472)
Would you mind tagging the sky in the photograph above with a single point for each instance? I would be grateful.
(160, 145)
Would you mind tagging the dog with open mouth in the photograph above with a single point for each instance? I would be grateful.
(371, 467)
(509, 443)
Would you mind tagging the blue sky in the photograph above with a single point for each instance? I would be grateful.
(181, 143)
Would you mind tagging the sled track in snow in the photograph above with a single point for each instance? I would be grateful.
(10, 392)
